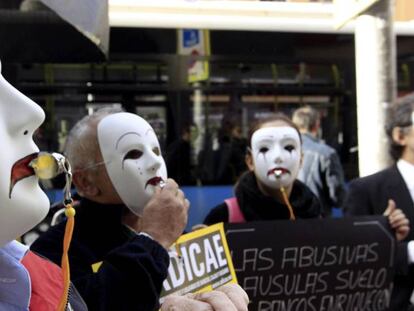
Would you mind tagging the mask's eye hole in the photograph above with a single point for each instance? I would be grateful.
(156, 150)
(290, 148)
(133, 154)
(263, 149)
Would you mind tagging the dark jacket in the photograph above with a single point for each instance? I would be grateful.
(322, 172)
(178, 161)
(256, 206)
(133, 266)
(369, 196)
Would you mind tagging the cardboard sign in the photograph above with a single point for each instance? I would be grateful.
(200, 261)
(316, 264)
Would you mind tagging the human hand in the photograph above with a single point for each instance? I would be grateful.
(184, 303)
(398, 221)
(237, 295)
(165, 215)
(230, 297)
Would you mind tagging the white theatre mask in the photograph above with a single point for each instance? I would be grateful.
(276, 155)
(132, 156)
(23, 204)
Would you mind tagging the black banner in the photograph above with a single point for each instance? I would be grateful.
(315, 265)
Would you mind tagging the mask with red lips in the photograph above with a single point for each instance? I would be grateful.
(23, 204)
(132, 156)
(276, 151)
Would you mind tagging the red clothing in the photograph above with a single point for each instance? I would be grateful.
(46, 282)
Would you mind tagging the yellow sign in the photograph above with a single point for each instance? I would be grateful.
(346, 10)
(200, 262)
(195, 42)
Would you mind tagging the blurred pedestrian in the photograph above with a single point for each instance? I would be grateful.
(178, 158)
(321, 169)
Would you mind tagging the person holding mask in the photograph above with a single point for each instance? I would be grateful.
(128, 216)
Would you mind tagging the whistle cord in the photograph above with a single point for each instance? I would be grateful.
(289, 206)
(70, 224)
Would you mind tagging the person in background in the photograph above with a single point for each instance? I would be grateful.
(321, 170)
(178, 158)
(229, 161)
(238, 147)
(273, 161)
(394, 185)
(128, 216)
(270, 190)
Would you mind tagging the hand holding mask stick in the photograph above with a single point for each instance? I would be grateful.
(48, 166)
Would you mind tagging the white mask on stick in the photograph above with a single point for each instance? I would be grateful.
(132, 156)
(276, 151)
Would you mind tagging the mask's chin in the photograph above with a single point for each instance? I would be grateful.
(28, 207)
(138, 209)
(270, 183)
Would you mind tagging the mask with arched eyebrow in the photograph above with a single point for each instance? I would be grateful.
(132, 156)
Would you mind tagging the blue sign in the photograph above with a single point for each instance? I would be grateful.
(191, 37)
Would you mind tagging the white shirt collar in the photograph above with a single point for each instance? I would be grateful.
(407, 171)
(16, 249)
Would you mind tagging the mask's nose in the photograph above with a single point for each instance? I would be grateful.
(154, 162)
(27, 115)
(277, 155)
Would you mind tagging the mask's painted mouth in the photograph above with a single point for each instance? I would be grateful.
(278, 171)
(154, 181)
(21, 170)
